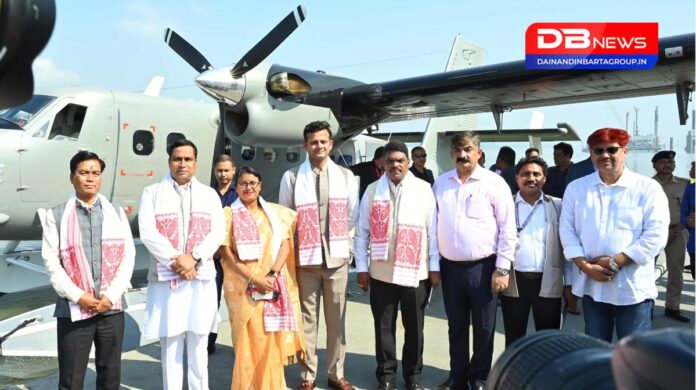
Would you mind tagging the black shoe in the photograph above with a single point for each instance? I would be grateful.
(675, 314)
(386, 386)
(449, 384)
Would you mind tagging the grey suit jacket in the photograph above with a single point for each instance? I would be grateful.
(552, 279)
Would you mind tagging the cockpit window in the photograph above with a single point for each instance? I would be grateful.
(17, 117)
(68, 123)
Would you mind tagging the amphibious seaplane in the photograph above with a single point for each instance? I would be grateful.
(259, 116)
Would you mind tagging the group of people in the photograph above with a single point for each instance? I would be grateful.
(276, 262)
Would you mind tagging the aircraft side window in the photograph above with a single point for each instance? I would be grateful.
(143, 142)
(173, 137)
(41, 131)
(68, 123)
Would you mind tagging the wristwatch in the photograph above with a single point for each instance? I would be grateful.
(196, 256)
(272, 274)
(613, 266)
(502, 271)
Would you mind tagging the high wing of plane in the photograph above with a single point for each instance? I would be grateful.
(270, 104)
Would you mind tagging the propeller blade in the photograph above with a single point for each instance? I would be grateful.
(186, 51)
(270, 42)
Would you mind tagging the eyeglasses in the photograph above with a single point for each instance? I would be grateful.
(611, 150)
(250, 184)
(420, 155)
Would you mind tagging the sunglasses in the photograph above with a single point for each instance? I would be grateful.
(420, 155)
(611, 150)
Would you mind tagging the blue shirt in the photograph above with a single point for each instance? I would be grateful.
(228, 197)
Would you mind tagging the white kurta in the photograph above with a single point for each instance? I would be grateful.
(192, 306)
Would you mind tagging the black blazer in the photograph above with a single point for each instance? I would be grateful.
(368, 174)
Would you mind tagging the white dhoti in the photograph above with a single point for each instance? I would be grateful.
(191, 307)
(173, 361)
(181, 316)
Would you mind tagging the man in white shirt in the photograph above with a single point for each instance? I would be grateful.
(539, 269)
(613, 224)
(476, 237)
(182, 225)
(88, 252)
(398, 221)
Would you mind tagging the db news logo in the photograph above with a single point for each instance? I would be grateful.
(591, 46)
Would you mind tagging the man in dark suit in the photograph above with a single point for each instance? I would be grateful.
(369, 171)
(418, 156)
(505, 167)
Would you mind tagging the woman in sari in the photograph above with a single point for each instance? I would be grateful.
(258, 260)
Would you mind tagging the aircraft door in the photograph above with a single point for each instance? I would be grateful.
(51, 139)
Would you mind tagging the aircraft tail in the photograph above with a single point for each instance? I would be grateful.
(463, 55)
(154, 87)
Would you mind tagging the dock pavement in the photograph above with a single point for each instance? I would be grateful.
(141, 368)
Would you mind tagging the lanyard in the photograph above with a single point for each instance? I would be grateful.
(529, 217)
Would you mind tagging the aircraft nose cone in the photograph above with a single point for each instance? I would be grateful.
(220, 84)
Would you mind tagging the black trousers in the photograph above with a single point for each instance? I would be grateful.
(219, 276)
(546, 311)
(469, 299)
(385, 299)
(75, 342)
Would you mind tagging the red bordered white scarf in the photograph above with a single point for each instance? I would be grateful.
(168, 209)
(277, 315)
(74, 260)
(308, 228)
(409, 231)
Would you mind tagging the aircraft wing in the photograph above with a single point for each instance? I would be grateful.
(563, 132)
(506, 86)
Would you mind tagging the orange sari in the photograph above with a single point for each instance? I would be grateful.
(260, 356)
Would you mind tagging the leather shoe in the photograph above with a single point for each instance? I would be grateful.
(386, 386)
(450, 385)
(341, 384)
(308, 385)
(675, 314)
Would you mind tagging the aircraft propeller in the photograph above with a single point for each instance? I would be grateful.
(270, 42)
(186, 51)
(225, 84)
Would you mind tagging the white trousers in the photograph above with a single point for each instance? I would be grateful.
(173, 361)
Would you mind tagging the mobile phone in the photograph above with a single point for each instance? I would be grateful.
(257, 296)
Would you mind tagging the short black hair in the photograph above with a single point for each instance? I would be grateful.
(396, 146)
(182, 142)
(317, 126)
(84, 155)
(507, 155)
(379, 153)
(532, 160)
(224, 158)
(565, 148)
(249, 171)
(462, 138)
(530, 150)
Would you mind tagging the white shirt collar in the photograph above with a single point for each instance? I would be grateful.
(520, 199)
(627, 179)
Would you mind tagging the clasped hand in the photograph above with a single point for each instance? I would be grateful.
(598, 269)
(185, 266)
(89, 303)
(264, 284)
